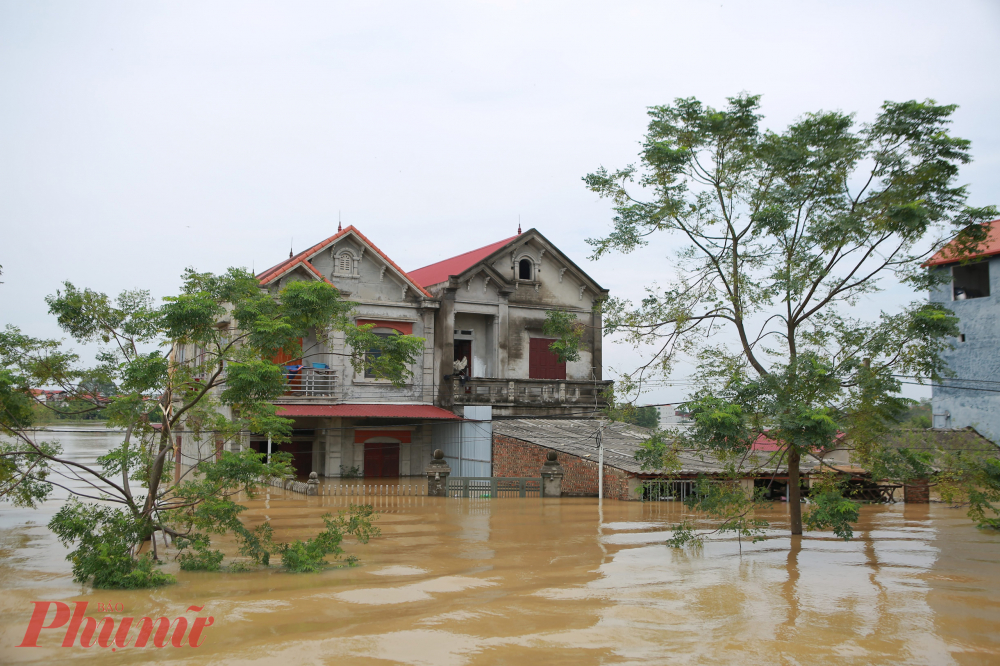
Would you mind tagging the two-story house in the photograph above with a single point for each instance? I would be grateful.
(972, 292)
(481, 315)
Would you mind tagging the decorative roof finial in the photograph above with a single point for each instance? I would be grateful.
(290, 247)
(518, 224)
(339, 227)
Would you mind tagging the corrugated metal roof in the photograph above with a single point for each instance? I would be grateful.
(384, 410)
(442, 270)
(578, 437)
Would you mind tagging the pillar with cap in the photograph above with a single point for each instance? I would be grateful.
(437, 475)
(552, 476)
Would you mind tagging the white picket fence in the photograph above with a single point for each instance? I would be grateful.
(352, 489)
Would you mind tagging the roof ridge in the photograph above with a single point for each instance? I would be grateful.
(458, 256)
(439, 271)
(304, 257)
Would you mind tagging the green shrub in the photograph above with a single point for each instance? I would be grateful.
(104, 536)
(199, 557)
(310, 555)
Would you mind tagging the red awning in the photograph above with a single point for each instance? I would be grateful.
(385, 411)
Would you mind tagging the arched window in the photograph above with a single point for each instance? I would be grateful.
(524, 269)
(344, 265)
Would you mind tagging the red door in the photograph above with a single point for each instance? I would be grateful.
(542, 362)
(382, 459)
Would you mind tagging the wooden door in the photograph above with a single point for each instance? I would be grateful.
(542, 362)
(382, 459)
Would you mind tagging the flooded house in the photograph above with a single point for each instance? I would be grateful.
(971, 290)
(481, 314)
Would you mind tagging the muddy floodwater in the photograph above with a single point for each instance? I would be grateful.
(569, 581)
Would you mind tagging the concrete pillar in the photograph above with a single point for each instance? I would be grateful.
(917, 491)
(503, 336)
(552, 476)
(597, 353)
(437, 475)
(444, 346)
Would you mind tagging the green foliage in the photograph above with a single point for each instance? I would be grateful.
(830, 510)
(727, 503)
(353, 472)
(918, 416)
(200, 361)
(310, 555)
(900, 464)
(104, 542)
(195, 555)
(568, 332)
(647, 417)
(23, 473)
(776, 234)
(659, 452)
(385, 356)
(972, 478)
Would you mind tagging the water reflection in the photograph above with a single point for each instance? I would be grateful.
(564, 581)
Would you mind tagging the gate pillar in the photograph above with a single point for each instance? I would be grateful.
(437, 475)
(552, 476)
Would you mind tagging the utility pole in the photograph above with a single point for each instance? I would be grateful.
(600, 462)
(269, 449)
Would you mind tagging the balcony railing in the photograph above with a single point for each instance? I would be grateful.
(484, 391)
(310, 382)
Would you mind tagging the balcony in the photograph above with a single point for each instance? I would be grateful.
(531, 396)
(309, 383)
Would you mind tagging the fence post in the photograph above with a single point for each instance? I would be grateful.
(437, 475)
(552, 476)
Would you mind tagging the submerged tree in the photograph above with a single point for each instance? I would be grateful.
(223, 392)
(781, 234)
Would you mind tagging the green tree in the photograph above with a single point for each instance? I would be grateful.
(223, 392)
(647, 417)
(779, 234)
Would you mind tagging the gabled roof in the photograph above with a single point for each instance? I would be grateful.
(463, 263)
(949, 253)
(302, 259)
(442, 270)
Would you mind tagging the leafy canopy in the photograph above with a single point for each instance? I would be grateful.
(203, 362)
(779, 236)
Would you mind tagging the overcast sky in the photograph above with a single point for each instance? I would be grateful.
(140, 138)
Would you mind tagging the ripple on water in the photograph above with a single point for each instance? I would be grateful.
(422, 591)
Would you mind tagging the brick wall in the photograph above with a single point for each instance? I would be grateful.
(515, 457)
(918, 492)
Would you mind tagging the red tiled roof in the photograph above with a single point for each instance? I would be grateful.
(384, 410)
(948, 254)
(439, 272)
(304, 256)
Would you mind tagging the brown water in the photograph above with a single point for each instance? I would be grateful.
(523, 581)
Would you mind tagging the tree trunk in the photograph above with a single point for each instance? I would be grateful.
(792, 492)
(156, 473)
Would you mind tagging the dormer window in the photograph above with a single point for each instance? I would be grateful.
(524, 269)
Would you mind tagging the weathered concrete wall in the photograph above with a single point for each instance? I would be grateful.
(976, 359)
(526, 323)
(517, 458)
